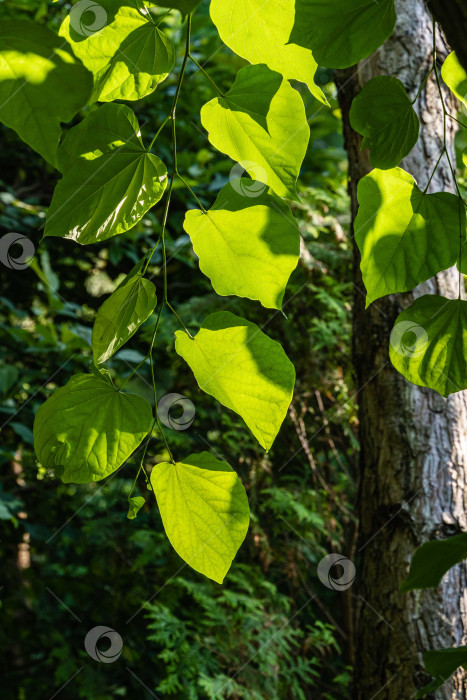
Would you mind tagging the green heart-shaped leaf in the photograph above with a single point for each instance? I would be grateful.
(261, 123)
(383, 114)
(121, 46)
(99, 197)
(87, 429)
(36, 70)
(404, 235)
(432, 560)
(428, 344)
(204, 510)
(248, 243)
(121, 315)
(234, 361)
(260, 31)
(341, 32)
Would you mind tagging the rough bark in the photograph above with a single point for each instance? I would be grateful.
(413, 481)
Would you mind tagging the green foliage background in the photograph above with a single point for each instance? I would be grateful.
(259, 635)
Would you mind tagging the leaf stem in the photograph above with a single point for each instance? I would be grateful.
(144, 13)
(422, 85)
(200, 67)
(180, 320)
(434, 170)
(167, 119)
(165, 301)
(189, 188)
(451, 116)
(174, 147)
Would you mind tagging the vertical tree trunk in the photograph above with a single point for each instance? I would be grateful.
(413, 480)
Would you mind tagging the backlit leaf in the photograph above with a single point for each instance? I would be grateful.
(248, 243)
(342, 32)
(383, 114)
(204, 510)
(122, 47)
(87, 429)
(234, 361)
(428, 344)
(121, 315)
(404, 236)
(455, 77)
(37, 70)
(261, 123)
(259, 31)
(99, 197)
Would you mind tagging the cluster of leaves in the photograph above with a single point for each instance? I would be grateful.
(406, 235)
(247, 242)
(103, 569)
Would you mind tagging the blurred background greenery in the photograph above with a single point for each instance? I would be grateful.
(70, 558)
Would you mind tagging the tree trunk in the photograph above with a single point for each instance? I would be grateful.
(413, 480)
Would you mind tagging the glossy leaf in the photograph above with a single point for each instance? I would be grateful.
(121, 315)
(455, 77)
(122, 47)
(341, 33)
(37, 69)
(441, 663)
(100, 197)
(261, 123)
(383, 114)
(135, 503)
(248, 243)
(110, 127)
(404, 236)
(204, 510)
(87, 429)
(259, 31)
(432, 560)
(428, 343)
(234, 361)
